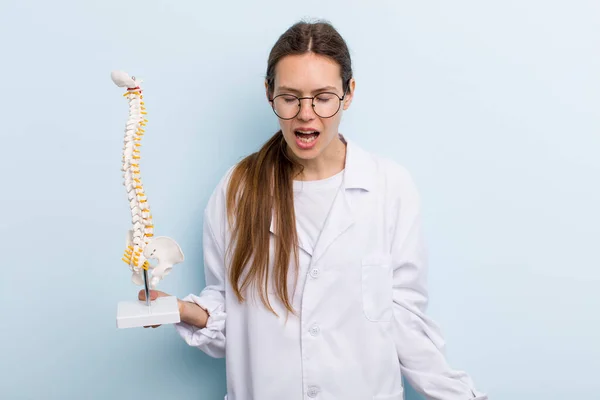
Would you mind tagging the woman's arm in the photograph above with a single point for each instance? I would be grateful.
(203, 316)
(419, 342)
(192, 314)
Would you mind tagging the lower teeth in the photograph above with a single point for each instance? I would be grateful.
(308, 140)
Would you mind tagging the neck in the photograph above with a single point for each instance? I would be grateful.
(330, 162)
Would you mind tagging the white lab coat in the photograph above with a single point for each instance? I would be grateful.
(360, 297)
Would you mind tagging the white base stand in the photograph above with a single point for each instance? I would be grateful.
(135, 314)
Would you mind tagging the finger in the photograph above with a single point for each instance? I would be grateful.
(142, 295)
(154, 294)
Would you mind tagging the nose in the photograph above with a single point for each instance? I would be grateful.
(306, 110)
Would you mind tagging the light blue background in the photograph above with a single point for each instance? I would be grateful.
(493, 106)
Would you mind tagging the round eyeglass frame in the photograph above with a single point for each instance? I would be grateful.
(312, 101)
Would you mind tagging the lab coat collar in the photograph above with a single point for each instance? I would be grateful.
(360, 167)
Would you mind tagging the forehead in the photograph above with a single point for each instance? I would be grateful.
(307, 72)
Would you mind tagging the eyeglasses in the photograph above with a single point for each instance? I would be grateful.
(325, 105)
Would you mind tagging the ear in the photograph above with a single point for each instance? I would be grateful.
(349, 94)
(267, 90)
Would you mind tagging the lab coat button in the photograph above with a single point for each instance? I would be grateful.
(313, 391)
(314, 330)
(314, 273)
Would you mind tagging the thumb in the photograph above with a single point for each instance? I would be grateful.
(154, 294)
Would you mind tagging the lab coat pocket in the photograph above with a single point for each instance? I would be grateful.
(377, 287)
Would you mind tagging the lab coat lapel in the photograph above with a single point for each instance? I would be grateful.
(359, 175)
(339, 219)
(302, 242)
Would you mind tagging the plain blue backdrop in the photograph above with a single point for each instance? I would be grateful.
(494, 106)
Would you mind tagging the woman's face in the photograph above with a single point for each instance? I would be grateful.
(309, 135)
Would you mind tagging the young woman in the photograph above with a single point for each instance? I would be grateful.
(313, 253)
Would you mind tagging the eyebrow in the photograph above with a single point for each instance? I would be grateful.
(289, 89)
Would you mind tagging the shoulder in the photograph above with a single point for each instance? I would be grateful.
(216, 207)
(394, 184)
(394, 171)
(224, 181)
(385, 173)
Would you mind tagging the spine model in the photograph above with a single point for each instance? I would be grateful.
(142, 229)
(141, 244)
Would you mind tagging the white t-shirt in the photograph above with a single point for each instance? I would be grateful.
(312, 202)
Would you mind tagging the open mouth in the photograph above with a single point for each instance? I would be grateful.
(307, 136)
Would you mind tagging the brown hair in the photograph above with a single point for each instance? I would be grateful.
(261, 185)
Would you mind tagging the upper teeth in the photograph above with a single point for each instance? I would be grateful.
(307, 132)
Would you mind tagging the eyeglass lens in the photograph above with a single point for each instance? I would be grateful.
(325, 105)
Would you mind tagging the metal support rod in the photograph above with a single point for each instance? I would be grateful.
(146, 288)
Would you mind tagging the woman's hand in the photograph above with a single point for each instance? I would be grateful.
(190, 313)
(155, 294)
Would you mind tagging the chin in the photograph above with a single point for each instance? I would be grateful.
(306, 154)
